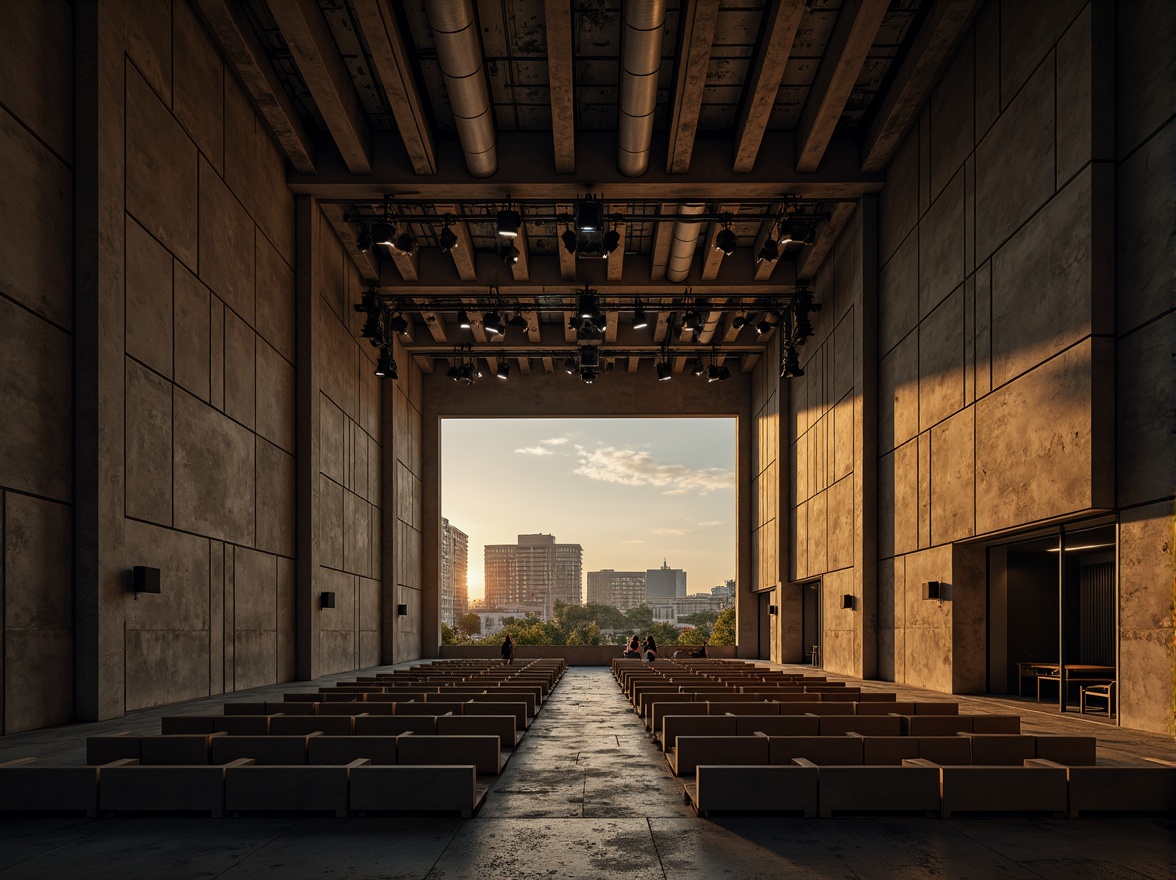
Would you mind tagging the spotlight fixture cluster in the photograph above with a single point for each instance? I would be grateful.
(798, 328)
(463, 367)
(379, 327)
(789, 229)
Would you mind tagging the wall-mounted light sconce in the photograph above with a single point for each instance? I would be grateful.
(932, 590)
(772, 609)
(327, 600)
(144, 579)
(401, 610)
(848, 601)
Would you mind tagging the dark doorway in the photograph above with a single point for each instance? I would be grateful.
(1053, 597)
(811, 622)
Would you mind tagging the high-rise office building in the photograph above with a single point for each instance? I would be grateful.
(455, 547)
(535, 572)
(621, 589)
(665, 582)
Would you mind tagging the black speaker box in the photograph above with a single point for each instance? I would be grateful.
(144, 579)
(328, 600)
(931, 590)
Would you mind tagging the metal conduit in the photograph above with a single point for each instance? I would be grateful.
(641, 44)
(459, 50)
(685, 241)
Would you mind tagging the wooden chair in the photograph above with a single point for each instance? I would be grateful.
(1101, 691)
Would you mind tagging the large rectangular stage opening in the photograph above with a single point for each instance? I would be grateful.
(586, 530)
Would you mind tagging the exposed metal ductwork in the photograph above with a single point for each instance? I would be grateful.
(459, 51)
(641, 48)
(685, 242)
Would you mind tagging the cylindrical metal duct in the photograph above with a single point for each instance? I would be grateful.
(641, 45)
(459, 50)
(686, 234)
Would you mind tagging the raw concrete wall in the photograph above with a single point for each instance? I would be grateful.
(36, 386)
(1145, 261)
(831, 456)
(185, 441)
(995, 333)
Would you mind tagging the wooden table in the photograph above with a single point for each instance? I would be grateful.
(1052, 672)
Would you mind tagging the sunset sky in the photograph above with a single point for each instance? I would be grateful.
(632, 492)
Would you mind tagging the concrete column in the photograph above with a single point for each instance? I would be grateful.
(865, 441)
(306, 464)
(431, 537)
(100, 574)
(746, 602)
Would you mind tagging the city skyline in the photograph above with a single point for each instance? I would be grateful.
(633, 492)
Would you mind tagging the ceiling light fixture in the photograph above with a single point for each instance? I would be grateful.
(447, 240)
(697, 367)
(406, 243)
(386, 364)
(399, 324)
(569, 365)
(509, 222)
(770, 252)
(492, 324)
(612, 240)
(726, 240)
(463, 320)
(569, 241)
(639, 320)
(503, 371)
(384, 232)
(664, 371)
(764, 326)
(510, 255)
(363, 241)
(587, 306)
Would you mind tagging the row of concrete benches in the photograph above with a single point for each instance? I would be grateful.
(343, 702)
(359, 787)
(749, 721)
(993, 749)
(519, 709)
(484, 751)
(923, 786)
(654, 709)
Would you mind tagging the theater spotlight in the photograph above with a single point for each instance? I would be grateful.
(509, 222)
(383, 232)
(569, 365)
(510, 255)
(764, 326)
(399, 324)
(569, 241)
(492, 324)
(503, 371)
(612, 240)
(639, 320)
(447, 240)
(697, 367)
(363, 241)
(726, 241)
(386, 364)
(664, 371)
(770, 252)
(406, 243)
(463, 320)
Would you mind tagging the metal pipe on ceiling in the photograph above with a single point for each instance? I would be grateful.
(641, 49)
(459, 51)
(686, 234)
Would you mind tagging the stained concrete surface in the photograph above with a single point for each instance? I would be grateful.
(587, 795)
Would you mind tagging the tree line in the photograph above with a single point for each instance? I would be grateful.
(596, 624)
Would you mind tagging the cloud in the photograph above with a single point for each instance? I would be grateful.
(554, 441)
(671, 532)
(533, 450)
(711, 522)
(632, 467)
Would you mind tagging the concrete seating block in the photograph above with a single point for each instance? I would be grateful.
(1003, 790)
(112, 747)
(513, 695)
(179, 748)
(501, 726)
(945, 749)
(996, 724)
(820, 750)
(263, 749)
(428, 788)
(819, 708)
(674, 726)
(428, 708)
(303, 697)
(188, 723)
(659, 710)
(26, 788)
(301, 725)
(394, 725)
(937, 708)
(242, 725)
(163, 789)
(516, 710)
(996, 749)
(690, 751)
(481, 751)
(891, 708)
(889, 750)
(296, 788)
(863, 789)
(330, 709)
(285, 708)
(345, 749)
(726, 707)
(878, 697)
(245, 709)
(866, 725)
(936, 725)
(1073, 751)
(777, 725)
(1106, 790)
(755, 789)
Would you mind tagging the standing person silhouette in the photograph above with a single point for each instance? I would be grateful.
(507, 650)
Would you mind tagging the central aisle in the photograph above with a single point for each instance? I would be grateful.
(586, 755)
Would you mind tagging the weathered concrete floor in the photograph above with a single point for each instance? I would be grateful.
(586, 795)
